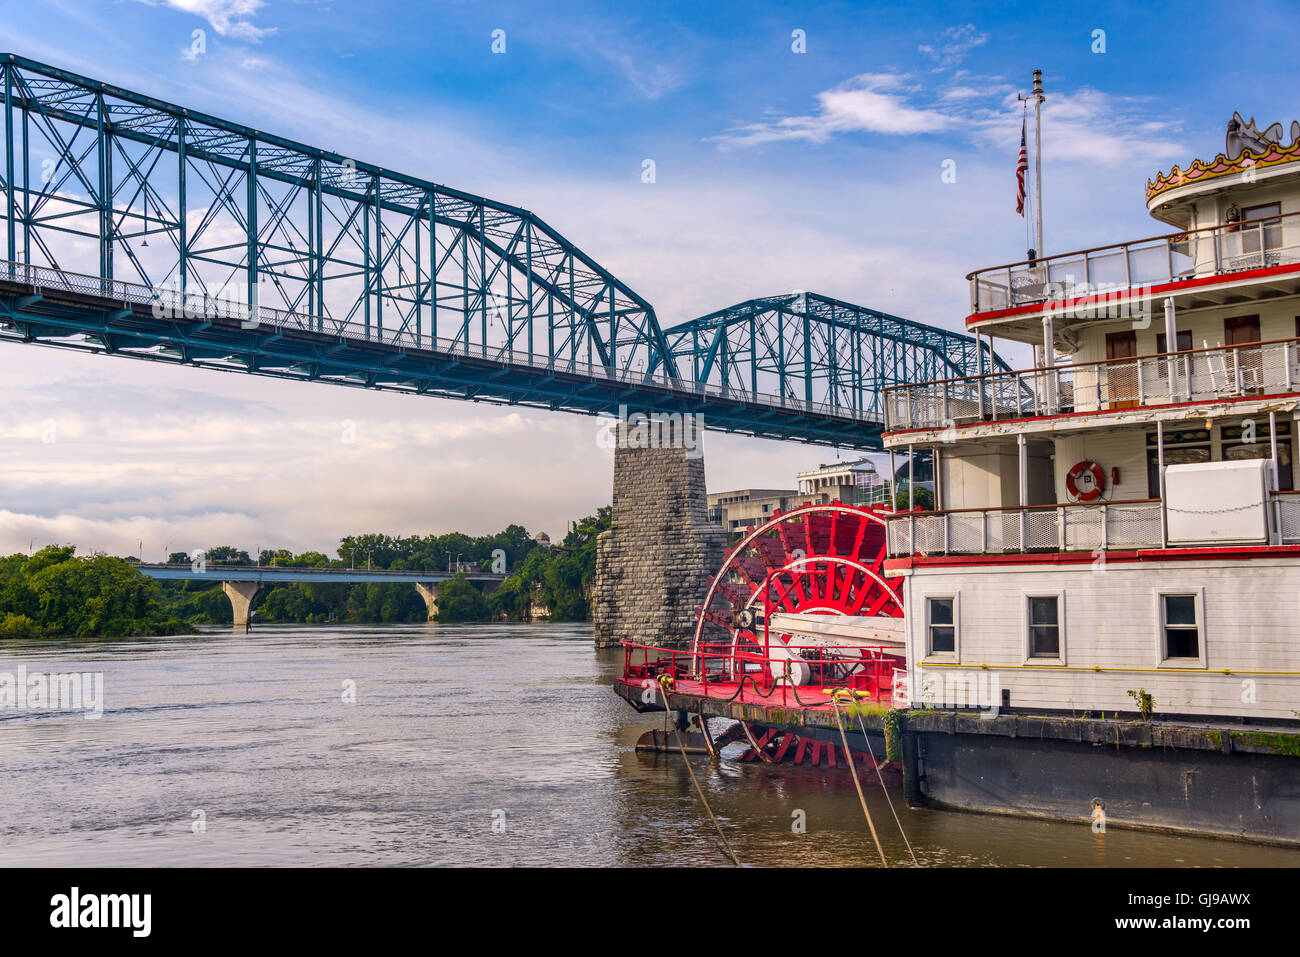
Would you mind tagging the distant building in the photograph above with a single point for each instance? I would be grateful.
(543, 540)
(743, 508)
(853, 483)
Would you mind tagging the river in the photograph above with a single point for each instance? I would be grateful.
(464, 745)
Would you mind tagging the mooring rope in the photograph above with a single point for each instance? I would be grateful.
(663, 690)
(861, 798)
(871, 751)
(704, 729)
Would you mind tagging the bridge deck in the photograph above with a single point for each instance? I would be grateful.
(278, 573)
(73, 311)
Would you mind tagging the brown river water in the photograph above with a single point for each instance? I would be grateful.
(485, 745)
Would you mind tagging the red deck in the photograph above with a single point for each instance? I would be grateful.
(714, 675)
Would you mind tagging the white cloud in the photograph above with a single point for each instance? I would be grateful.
(868, 103)
(230, 18)
(953, 45)
(649, 65)
(1083, 126)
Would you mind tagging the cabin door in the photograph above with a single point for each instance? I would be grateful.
(1245, 362)
(1121, 375)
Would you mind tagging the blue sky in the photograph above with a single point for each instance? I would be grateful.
(775, 170)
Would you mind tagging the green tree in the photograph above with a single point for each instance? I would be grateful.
(459, 600)
(95, 596)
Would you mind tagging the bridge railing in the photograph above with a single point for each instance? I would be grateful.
(173, 303)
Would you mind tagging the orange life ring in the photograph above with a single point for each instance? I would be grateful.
(1093, 481)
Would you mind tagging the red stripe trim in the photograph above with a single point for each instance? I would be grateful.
(1122, 294)
(1071, 415)
(1199, 553)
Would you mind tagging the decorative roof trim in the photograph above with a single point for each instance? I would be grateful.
(1200, 170)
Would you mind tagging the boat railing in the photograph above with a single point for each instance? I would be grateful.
(1136, 523)
(1286, 508)
(720, 667)
(1193, 375)
(1221, 249)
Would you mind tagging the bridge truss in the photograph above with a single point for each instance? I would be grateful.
(140, 228)
(810, 347)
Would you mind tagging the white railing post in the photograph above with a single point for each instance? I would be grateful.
(1105, 538)
(1160, 466)
(984, 533)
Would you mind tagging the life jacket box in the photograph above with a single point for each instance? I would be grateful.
(1218, 503)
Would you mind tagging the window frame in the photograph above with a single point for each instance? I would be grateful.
(1201, 660)
(1059, 659)
(1270, 232)
(1174, 444)
(955, 654)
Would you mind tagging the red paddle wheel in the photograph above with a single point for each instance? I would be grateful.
(819, 560)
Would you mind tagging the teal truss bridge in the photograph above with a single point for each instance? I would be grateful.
(138, 228)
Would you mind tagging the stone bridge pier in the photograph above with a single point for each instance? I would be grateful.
(429, 592)
(241, 599)
(654, 563)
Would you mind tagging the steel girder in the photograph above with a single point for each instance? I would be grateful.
(821, 350)
(88, 321)
(102, 180)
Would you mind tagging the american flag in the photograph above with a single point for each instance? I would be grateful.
(1022, 167)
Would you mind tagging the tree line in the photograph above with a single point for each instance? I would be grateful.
(55, 593)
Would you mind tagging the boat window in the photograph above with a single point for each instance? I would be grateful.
(1182, 634)
(1234, 449)
(1271, 230)
(1184, 344)
(1044, 627)
(1182, 447)
(943, 630)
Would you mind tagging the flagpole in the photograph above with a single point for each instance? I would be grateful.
(1038, 155)
(1038, 97)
